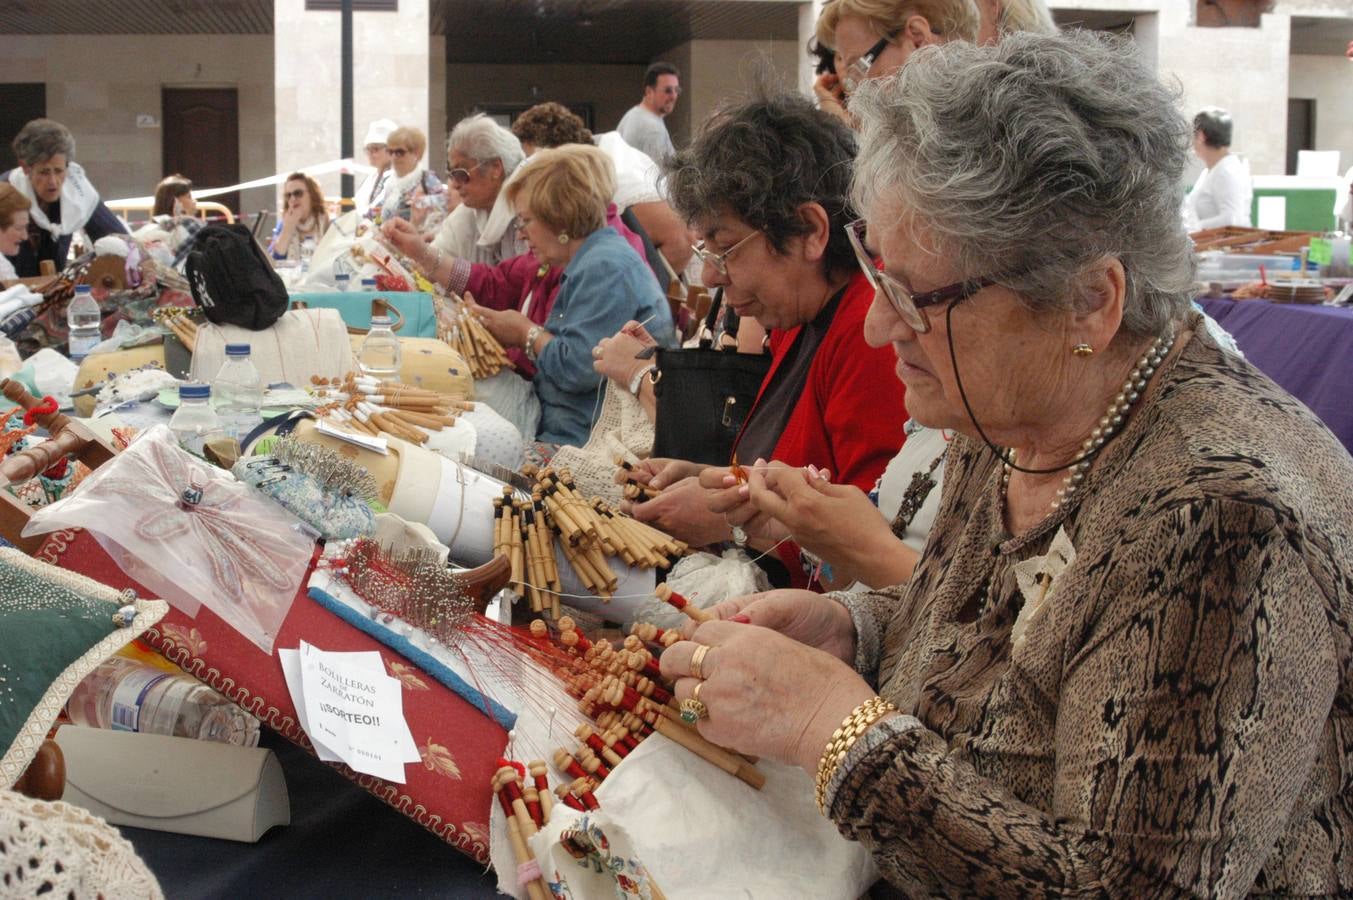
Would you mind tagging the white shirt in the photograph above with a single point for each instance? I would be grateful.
(636, 174)
(1221, 196)
(646, 131)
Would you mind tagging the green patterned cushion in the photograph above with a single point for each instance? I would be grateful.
(55, 628)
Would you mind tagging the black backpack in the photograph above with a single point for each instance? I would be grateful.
(232, 280)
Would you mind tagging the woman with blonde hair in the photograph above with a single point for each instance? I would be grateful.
(560, 199)
(303, 217)
(13, 227)
(415, 192)
(874, 38)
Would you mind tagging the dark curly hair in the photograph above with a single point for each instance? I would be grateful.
(761, 160)
(547, 125)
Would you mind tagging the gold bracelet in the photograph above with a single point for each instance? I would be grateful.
(855, 724)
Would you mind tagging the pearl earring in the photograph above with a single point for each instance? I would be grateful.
(563, 237)
(1082, 350)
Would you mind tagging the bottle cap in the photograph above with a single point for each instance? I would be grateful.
(237, 349)
(83, 289)
(194, 391)
(369, 282)
(380, 321)
(342, 276)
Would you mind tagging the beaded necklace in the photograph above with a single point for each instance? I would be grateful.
(1108, 424)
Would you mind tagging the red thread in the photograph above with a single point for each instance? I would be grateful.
(45, 408)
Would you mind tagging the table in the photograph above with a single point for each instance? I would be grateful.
(342, 842)
(355, 307)
(1308, 350)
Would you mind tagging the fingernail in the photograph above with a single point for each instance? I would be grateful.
(729, 481)
(744, 491)
(759, 462)
(812, 470)
(741, 618)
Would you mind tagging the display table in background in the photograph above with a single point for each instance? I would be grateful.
(1308, 350)
(355, 308)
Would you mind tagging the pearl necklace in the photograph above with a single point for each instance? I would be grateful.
(1108, 424)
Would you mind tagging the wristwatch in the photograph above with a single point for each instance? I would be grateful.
(638, 379)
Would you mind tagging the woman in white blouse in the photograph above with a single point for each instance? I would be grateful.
(1222, 194)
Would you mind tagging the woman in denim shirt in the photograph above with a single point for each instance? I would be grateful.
(560, 199)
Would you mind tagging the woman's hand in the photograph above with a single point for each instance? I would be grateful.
(726, 497)
(681, 511)
(616, 357)
(837, 522)
(809, 618)
(831, 95)
(766, 693)
(508, 325)
(407, 240)
(292, 216)
(658, 472)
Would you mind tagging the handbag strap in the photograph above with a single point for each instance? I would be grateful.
(711, 317)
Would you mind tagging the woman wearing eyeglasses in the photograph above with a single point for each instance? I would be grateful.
(766, 183)
(1123, 666)
(481, 156)
(874, 38)
(303, 217)
(414, 193)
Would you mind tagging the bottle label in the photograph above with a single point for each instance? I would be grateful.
(80, 345)
(130, 694)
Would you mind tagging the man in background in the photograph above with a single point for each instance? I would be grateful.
(643, 126)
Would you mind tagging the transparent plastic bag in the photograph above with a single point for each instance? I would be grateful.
(191, 533)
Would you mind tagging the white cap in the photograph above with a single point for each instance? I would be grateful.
(378, 131)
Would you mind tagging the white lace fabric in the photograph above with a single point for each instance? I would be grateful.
(622, 429)
(53, 849)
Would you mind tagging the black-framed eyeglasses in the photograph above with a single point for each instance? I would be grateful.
(906, 303)
(719, 260)
(462, 176)
(858, 71)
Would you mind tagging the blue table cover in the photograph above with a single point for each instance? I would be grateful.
(355, 307)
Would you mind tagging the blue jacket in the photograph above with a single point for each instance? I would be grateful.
(30, 254)
(605, 285)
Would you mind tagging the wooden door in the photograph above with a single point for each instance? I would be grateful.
(23, 103)
(201, 135)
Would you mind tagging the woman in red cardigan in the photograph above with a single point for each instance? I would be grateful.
(767, 184)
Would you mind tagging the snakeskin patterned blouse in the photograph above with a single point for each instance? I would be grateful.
(1177, 716)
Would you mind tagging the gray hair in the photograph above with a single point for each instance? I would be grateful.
(40, 140)
(1025, 15)
(484, 140)
(1031, 162)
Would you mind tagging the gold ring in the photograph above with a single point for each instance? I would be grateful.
(693, 710)
(695, 693)
(696, 659)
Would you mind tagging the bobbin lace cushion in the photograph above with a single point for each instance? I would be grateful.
(55, 628)
(1175, 719)
(58, 850)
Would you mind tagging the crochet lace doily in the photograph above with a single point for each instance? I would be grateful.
(59, 850)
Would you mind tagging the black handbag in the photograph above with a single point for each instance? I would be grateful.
(703, 397)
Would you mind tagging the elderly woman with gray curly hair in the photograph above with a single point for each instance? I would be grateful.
(1122, 664)
(64, 201)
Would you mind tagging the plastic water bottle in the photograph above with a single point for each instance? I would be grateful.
(83, 318)
(379, 355)
(307, 253)
(342, 281)
(368, 285)
(126, 695)
(239, 392)
(195, 422)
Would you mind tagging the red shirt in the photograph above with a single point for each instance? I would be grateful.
(850, 415)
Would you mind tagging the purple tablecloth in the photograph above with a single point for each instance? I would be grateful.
(1306, 349)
